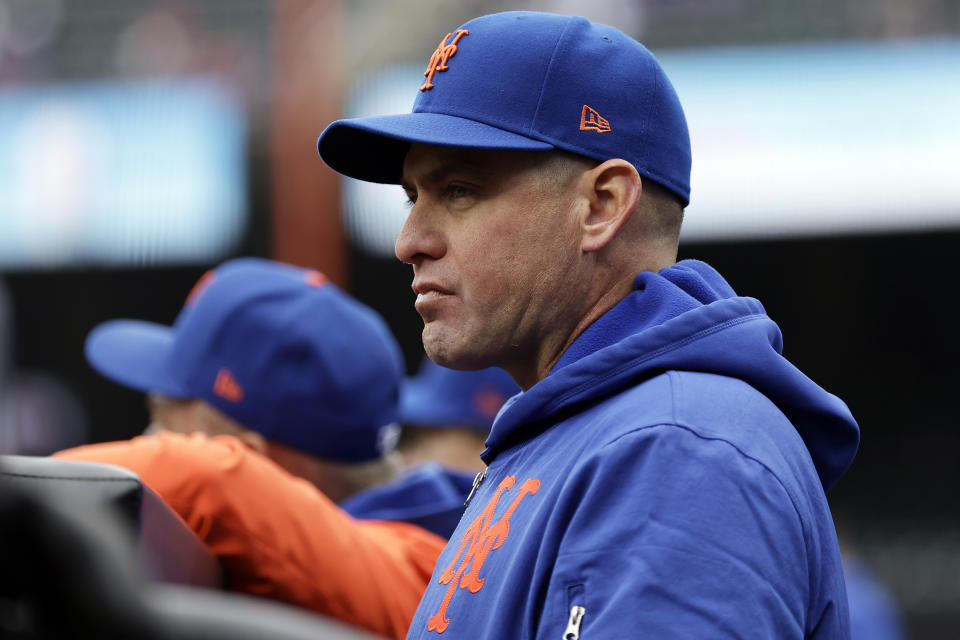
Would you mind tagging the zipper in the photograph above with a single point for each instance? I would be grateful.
(573, 624)
(477, 479)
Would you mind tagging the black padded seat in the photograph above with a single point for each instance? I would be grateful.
(188, 613)
(70, 568)
(169, 551)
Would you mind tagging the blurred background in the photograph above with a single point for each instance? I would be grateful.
(144, 141)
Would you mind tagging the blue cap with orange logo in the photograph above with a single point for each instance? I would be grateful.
(277, 348)
(530, 81)
(441, 397)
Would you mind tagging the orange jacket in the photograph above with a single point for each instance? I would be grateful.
(277, 535)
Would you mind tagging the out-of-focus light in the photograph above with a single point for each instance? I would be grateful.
(820, 139)
(59, 150)
(121, 173)
(375, 213)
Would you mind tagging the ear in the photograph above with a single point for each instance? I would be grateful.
(615, 188)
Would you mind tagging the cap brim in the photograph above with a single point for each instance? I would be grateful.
(419, 406)
(134, 353)
(373, 149)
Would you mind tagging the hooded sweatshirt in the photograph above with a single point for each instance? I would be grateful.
(666, 480)
(430, 496)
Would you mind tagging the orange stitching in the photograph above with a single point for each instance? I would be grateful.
(440, 57)
(480, 538)
(590, 120)
(227, 387)
(200, 287)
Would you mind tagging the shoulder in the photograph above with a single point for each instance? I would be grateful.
(706, 412)
(164, 448)
(671, 458)
(177, 465)
(647, 455)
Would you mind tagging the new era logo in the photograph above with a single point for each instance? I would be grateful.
(590, 120)
(227, 387)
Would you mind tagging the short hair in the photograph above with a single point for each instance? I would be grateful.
(663, 208)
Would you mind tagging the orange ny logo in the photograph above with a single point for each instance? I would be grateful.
(440, 57)
(481, 537)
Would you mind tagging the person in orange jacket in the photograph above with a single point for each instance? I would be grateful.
(272, 397)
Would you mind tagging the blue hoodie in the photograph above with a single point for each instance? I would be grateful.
(665, 480)
(430, 496)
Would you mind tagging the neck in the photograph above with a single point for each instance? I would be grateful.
(337, 480)
(602, 300)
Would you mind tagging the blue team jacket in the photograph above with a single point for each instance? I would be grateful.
(665, 480)
(430, 496)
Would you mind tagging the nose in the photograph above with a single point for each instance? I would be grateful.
(420, 238)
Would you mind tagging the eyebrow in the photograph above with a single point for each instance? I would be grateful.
(445, 169)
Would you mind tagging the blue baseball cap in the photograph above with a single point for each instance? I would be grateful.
(277, 348)
(441, 397)
(529, 81)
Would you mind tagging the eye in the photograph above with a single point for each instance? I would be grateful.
(458, 191)
(411, 199)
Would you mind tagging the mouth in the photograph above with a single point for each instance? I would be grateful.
(428, 293)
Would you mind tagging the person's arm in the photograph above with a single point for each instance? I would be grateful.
(278, 536)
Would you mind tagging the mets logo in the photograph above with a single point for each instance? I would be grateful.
(481, 537)
(440, 57)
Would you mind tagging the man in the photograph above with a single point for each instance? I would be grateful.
(279, 378)
(663, 474)
(277, 357)
(446, 416)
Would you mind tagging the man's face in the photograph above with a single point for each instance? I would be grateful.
(494, 241)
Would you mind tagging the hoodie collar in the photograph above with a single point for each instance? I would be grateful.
(686, 317)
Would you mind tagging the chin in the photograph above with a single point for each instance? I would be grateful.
(461, 350)
(442, 357)
(447, 353)
(461, 361)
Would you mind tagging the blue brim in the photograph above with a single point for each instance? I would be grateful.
(420, 406)
(373, 149)
(134, 353)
